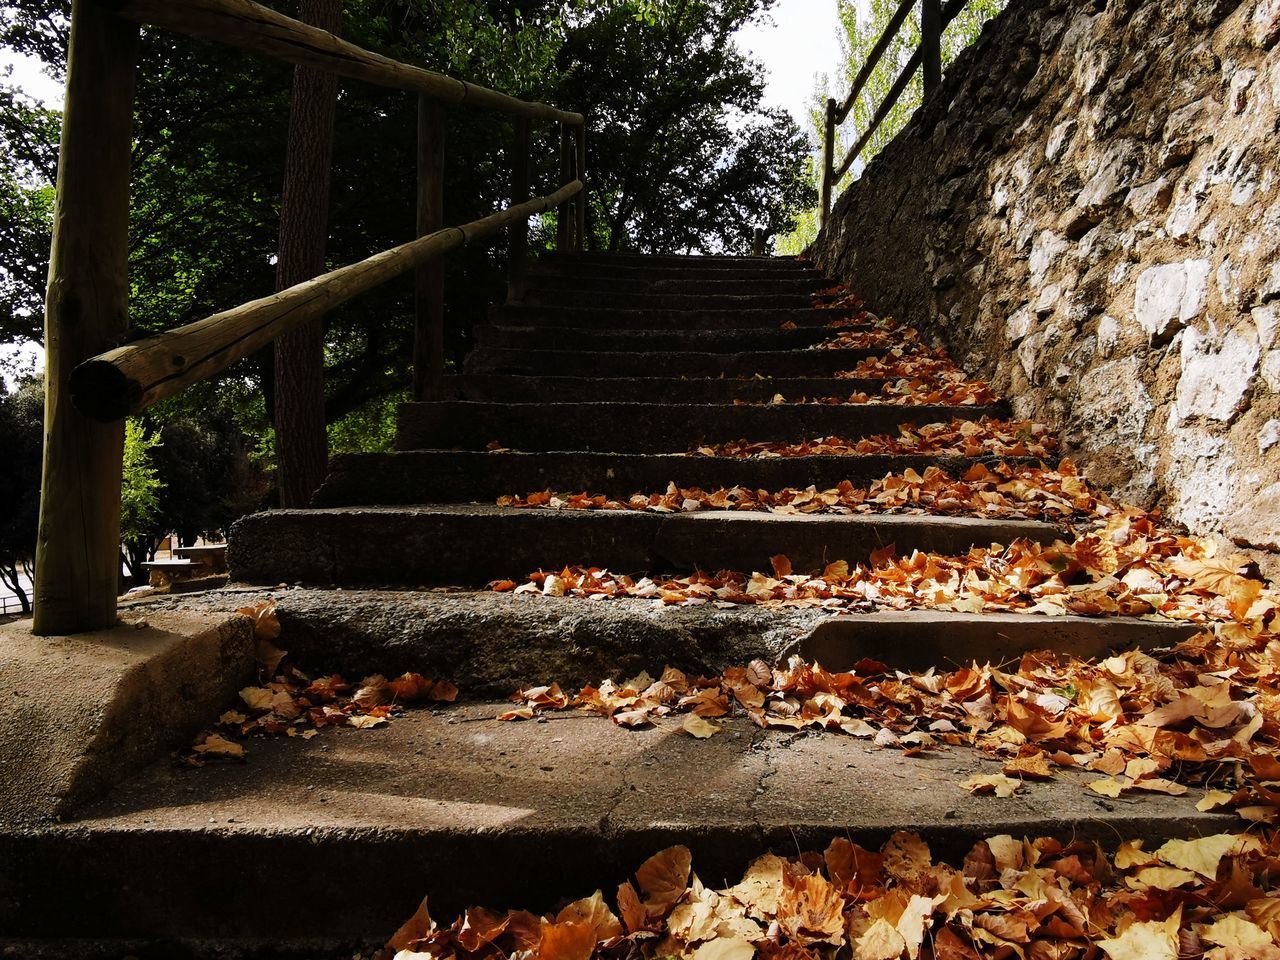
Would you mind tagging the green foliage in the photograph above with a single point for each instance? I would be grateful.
(140, 486)
(28, 148)
(859, 33)
(21, 435)
(206, 479)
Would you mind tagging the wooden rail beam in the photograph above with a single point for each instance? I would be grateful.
(428, 329)
(875, 56)
(251, 26)
(86, 310)
(131, 378)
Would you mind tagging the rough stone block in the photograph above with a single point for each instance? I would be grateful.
(1214, 381)
(1170, 295)
(79, 713)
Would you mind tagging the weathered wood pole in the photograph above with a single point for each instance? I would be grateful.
(931, 44)
(86, 312)
(828, 159)
(580, 201)
(519, 254)
(428, 336)
(564, 216)
(757, 243)
(302, 446)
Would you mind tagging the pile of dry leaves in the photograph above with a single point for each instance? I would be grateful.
(917, 363)
(1130, 565)
(985, 437)
(1202, 714)
(1214, 897)
(1003, 490)
(896, 338)
(905, 393)
(289, 703)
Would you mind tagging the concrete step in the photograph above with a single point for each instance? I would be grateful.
(473, 544)
(643, 389)
(736, 283)
(649, 299)
(457, 476)
(594, 363)
(628, 340)
(593, 312)
(648, 427)
(244, 857)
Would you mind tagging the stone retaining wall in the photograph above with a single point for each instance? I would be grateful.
(1088, 214)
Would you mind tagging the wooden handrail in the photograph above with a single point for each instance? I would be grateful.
(129, 379)
(874, 57)
(78, 566)
(935, 18)
(251, 26)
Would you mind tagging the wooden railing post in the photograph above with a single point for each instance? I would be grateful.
(86, 312)
(580, 201)
(519, 229)
(428, 337)
(564, 215)
(828, 159)
(931, 44)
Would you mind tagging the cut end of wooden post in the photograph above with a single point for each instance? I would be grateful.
(101, 392)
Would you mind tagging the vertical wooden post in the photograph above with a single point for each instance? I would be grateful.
(828, 159)
(519, 229)
(564, 214)
(931, 44)
(302, 442)
(580, 169)
(428, 338)
(757, 243)
(86, 312)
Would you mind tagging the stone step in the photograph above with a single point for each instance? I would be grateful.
(648, 427)
(595, 313)
(642, 389)
(736, 283)
(472, 544)
(325, 846)
(677, 261)
(465, 476)
(649, 299)
(627, 340)
(491, 643)
(594, 363)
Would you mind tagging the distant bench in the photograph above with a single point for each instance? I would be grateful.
(192, 562)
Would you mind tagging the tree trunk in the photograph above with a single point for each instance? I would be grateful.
(9, 577)
(301, 444)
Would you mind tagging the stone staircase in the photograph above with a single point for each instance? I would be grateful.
(604, 379)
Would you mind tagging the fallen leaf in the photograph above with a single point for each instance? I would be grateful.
(696, 726)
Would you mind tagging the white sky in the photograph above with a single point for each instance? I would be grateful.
(28, 76)
(801, 42)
